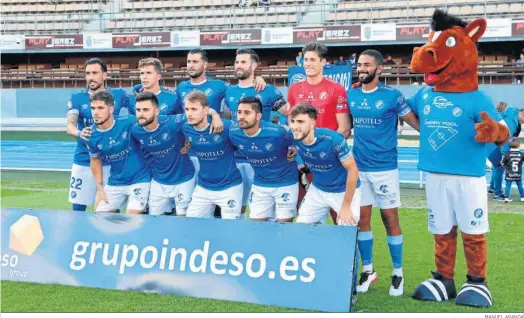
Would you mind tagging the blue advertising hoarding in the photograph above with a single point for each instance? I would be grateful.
(289, 265)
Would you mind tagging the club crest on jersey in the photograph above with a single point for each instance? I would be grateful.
(268, 146)
(165, 136)
(285, 196)
(231, 203)
(401, 100)
(85, 106)
(163, 106)
(427, 108)
(379, 104)
(425, 96)
(441, 102)
(457, 111)
(208, 92)
(112, 142)
(323, 155)
(216, 138)
(323, 95)
(124, 135)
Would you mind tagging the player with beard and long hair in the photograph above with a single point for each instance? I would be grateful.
(375, 109)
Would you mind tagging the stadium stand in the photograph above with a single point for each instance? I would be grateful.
(71, 16)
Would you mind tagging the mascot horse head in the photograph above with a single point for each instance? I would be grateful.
(449, 60)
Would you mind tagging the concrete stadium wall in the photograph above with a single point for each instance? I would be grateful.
(52, 102)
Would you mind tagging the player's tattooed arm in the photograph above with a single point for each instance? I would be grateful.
(343, 124)
(72, 130)
(187, 146)
(346, 215)
(412, 120)
(260, 84)
(217, 126)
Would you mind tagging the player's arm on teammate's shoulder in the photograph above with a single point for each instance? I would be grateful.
(288, 141)
(345, 216)
(217, 125)
(344, 126)
(72, 124)
(405, 111)
(260, 84)
(412, 120)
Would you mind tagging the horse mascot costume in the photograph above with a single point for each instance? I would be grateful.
(457, 123)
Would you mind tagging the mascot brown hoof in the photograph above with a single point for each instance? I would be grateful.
(435, 289)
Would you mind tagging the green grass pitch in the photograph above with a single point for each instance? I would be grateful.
(49, 191)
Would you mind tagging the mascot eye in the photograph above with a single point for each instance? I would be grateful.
(451, 42)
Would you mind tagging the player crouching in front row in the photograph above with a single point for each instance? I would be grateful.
(111, 142)
(335, 175)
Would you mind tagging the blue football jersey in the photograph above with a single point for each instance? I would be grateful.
(266, 151)
(324, 159)
(79, 103)
(214, 89)
(116, 147)
(375, 116)
(167, 103)
(447, 131)
(218, 170)
(270, 97)
(161, 149)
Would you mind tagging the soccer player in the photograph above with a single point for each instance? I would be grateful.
(274, 193)
(82, 189)
(161, 140)
(111, 141)
(375, 108)
(328, 97)
(271, 99)
(150, 74)
(219, 181)
(335, 175)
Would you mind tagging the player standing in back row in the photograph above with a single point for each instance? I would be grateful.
(375, 108)
(82, 189)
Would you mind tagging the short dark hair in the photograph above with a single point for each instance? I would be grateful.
(145, 96)
(104, 96)
(304, 108)
(96, 60)
(317, 47)
(514, 142)
(379, 59)
(255, 103)
(202, 52)
(252, 54)
(198, 96)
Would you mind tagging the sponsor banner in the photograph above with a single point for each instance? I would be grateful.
(231, 37)
(184, 256)
(59, 41)
(143, 39)
(517, 28)
(98, 41)
(12, 42)
(339, 73)
(342, 33)
(412, 32)
(277, 36)
(306, 35)
(498, 28)
(185, 38)
(379, 32)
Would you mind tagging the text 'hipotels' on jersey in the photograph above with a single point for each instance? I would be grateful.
(215, 91)
(270, 97)
(447, 131)
(324, 159)
(116, 147)
(375, 115)
(218, 170)
(167, 103)
(79, 103)
(161, 149)
(266, 151)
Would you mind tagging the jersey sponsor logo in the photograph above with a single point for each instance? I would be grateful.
(112, 142)
(324, 95)
(457, 111)
(118, 156)
(286, 196)
(308, 154)
(152, 141)
(367, 121)
(364, 104)
(478, 213)
(441, 102)
(427, 109)
(379, 104)
(253, 146)
(311, 97)
(319, 167)
(210, 154)
(163, 153)
(261, 162)
(201, 139)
